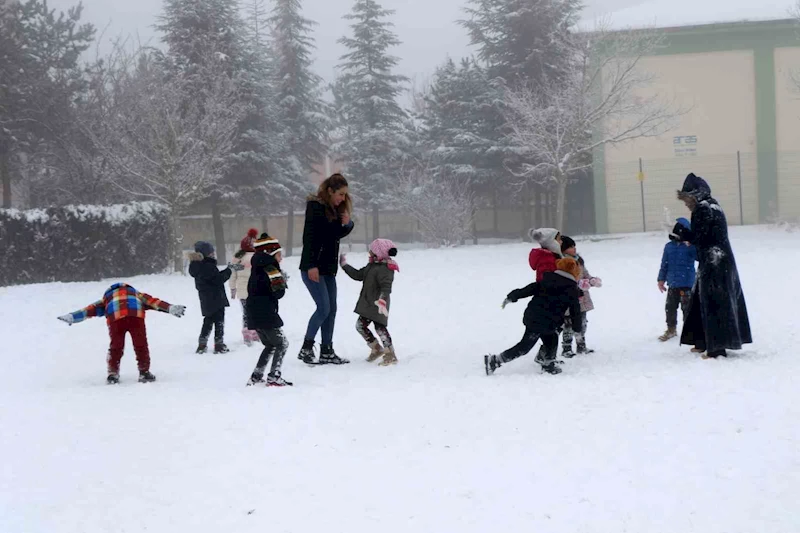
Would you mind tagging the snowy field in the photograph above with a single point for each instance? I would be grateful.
(639, 437)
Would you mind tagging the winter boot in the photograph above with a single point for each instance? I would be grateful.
(697, 350)
(277, 381)
(582, 349)
(566, 351)
(146, 377)
(376, 353)
(112, 379)
(671, 333)
(248, 341)
(389, 357)
(492, 363)
(201, 349)
(552, 368)
(306, 354)
(715, 354)
(328, 356)
(255, 379)
(221, 348)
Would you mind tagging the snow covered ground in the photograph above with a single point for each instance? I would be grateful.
(639, 437)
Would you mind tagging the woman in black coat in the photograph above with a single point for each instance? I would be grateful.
(327, 222)
(717, 318)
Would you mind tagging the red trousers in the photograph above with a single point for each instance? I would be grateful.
(117, 330)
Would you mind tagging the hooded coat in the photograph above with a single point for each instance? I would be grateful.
(265, 287)
(677, 261)
(717, 318)
(209, 282)
(556, 294)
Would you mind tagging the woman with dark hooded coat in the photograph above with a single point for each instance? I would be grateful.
(717, 318)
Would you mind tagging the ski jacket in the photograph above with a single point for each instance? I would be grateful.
(321, 238)
(677, 261)
(209, 282)
(266, 286)
(377, 278)
(120, 301)
(556, 294)
(239, 279)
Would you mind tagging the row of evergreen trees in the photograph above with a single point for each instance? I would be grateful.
(76, 132)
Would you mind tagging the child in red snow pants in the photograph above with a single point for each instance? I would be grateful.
(117, 331)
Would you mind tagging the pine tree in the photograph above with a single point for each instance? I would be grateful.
(522, 41)
(302, 113)
(39, 76)
(376, 141)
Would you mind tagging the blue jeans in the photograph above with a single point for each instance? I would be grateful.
(324, 318)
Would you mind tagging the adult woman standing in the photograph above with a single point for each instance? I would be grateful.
(717, 318)
(327, 222)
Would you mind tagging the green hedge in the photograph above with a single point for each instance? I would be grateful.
(83, 243)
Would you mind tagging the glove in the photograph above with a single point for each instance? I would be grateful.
(342, 259)
(505, 303)
(236, 267)
(177, 310)
(382, 307)
(233, 294)
(596, 282)
(584, 284)
(69, 319)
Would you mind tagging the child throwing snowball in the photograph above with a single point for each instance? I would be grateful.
(124, 308)
(557, 293)
(373, 303)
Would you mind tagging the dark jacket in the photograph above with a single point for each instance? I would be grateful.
(717, 314)
(552, 297)
(209, 282)
(266, 286)
(378, 279)
(321, 239)
(677, 261)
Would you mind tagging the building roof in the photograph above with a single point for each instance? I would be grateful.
(675, 13)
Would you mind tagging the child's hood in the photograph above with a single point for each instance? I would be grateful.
(546, 238)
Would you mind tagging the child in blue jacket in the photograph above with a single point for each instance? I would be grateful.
(678, 273)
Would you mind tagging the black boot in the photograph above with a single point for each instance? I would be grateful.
(306, 354)
(256, 379)
(275, 380)
(221, 348)
(146, 377)
(582, 349)
(328, 357)
(492, 363)
(201, 348)
(551, 368)
(112, 379)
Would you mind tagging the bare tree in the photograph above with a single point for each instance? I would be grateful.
(168, 147)
(600, 102)
(442, 205)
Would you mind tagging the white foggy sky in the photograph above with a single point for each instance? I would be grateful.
(426, 27)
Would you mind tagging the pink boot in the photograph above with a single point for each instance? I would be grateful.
(248, 339)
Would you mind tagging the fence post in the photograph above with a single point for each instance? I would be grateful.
(641, 187)
(741, 201)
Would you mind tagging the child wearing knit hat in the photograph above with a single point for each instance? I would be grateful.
(585, 282)
(557, 293)
(239, 279)
(267, 285)
(374, 301)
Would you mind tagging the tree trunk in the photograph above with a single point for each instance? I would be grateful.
(527, 221)
(376, 224)
(495, 214)
(176, 238)
(561, 200)
(264, 224)
(289, 233)
(219, 228)
(5, 175)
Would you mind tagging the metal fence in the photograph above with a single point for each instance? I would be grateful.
(640, 192)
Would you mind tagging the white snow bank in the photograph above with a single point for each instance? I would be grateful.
(640, 436)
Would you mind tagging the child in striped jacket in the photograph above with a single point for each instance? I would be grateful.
(124, 308)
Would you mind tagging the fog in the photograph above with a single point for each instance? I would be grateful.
(427, 28)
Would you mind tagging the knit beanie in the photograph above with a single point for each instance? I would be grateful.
(247, 242)
(205, 248)
(566, 243)
(570, 266)
(267, 244)
(383, 249)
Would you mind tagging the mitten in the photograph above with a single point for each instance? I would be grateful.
(342, 259)
(236, 267)
(177, 310)
(69, 319)
(382, 307)
(584, 284)
(233, 294)
(596, 282)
